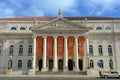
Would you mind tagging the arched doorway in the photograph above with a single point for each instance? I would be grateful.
(60, 65)
(50, 64)
(80, 64)
(70, 64)
(40, 64)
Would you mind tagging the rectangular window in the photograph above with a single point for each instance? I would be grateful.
(20, 50)
(90, 49)
(11, 50)
(100, 50)
(110, 50)
(30, 50)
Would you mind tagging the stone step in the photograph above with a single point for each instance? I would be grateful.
(61, 72)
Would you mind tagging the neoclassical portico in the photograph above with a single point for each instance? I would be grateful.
(72, 38)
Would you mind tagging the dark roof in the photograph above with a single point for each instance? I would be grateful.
(51, 18)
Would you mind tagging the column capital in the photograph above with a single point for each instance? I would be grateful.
(76, 36)
(86, 36)
(55, 36)
(44, 36)
(65, 36)
(34, 36)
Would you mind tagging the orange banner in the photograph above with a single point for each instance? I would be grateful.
(81, 45)
(50, 46)
(71, 46)
(60, 47)
(39, 45)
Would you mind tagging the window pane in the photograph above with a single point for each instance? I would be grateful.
(110, 50)
(108, 28)
(19, 64)
(91, 64)
(13, 28)
(90, 49)
(29, 64)
(29, 49)
(101, 63)
(100, 50)
(22, 28)
(20, 49)
(11, 50)
(9, 64)
(98, 28)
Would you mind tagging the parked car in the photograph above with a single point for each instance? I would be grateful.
(106, 74)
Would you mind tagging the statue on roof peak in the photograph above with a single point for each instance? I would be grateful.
(60, 12)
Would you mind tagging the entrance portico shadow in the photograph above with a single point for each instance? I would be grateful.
(60, 65)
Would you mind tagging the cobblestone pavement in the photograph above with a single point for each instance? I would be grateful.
(51, 78)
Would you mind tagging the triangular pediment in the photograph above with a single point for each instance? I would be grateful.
(59, 23)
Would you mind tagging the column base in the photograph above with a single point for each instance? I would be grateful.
(44, 69)
(65, 69)
(76, 69)
(31, 72)
(54, 70)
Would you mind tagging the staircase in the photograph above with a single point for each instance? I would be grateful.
(62, 73)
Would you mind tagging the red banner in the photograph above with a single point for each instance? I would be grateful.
(39, 45)
(71, 46)
(60, 45)
(81, 45)
(50, 46)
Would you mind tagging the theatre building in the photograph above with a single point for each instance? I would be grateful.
(35, 45)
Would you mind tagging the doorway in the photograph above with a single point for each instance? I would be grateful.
(40, 64)
(50, 64)
(70, 64)
(80, 64)
(60, 65)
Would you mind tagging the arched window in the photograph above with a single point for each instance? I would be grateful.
(98, 28)
(11, 50)
(100, 50)
(111, 64)
(19, 64)
(91, 49)
(91, 64)
(110, 50)
(108, 28)
(22, 28)
(29, 49)
(20, 49)
(13, 28)
(29, 64)
(101, 63)
(10, 64)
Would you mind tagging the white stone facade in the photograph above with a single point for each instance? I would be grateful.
(101, 33)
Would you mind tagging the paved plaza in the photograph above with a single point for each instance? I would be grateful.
(53, 78)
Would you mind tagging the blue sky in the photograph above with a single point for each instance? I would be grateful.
(22, 8)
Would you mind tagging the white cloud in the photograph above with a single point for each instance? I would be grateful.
(52, 6)
(99, 7)
(5, 11)
(41, 7)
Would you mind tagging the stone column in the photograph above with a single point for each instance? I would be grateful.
(76, 54)
(65, 54)
(87, 52)
(34, 54)
(85, 55)
(55, 64)
(44, 67)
